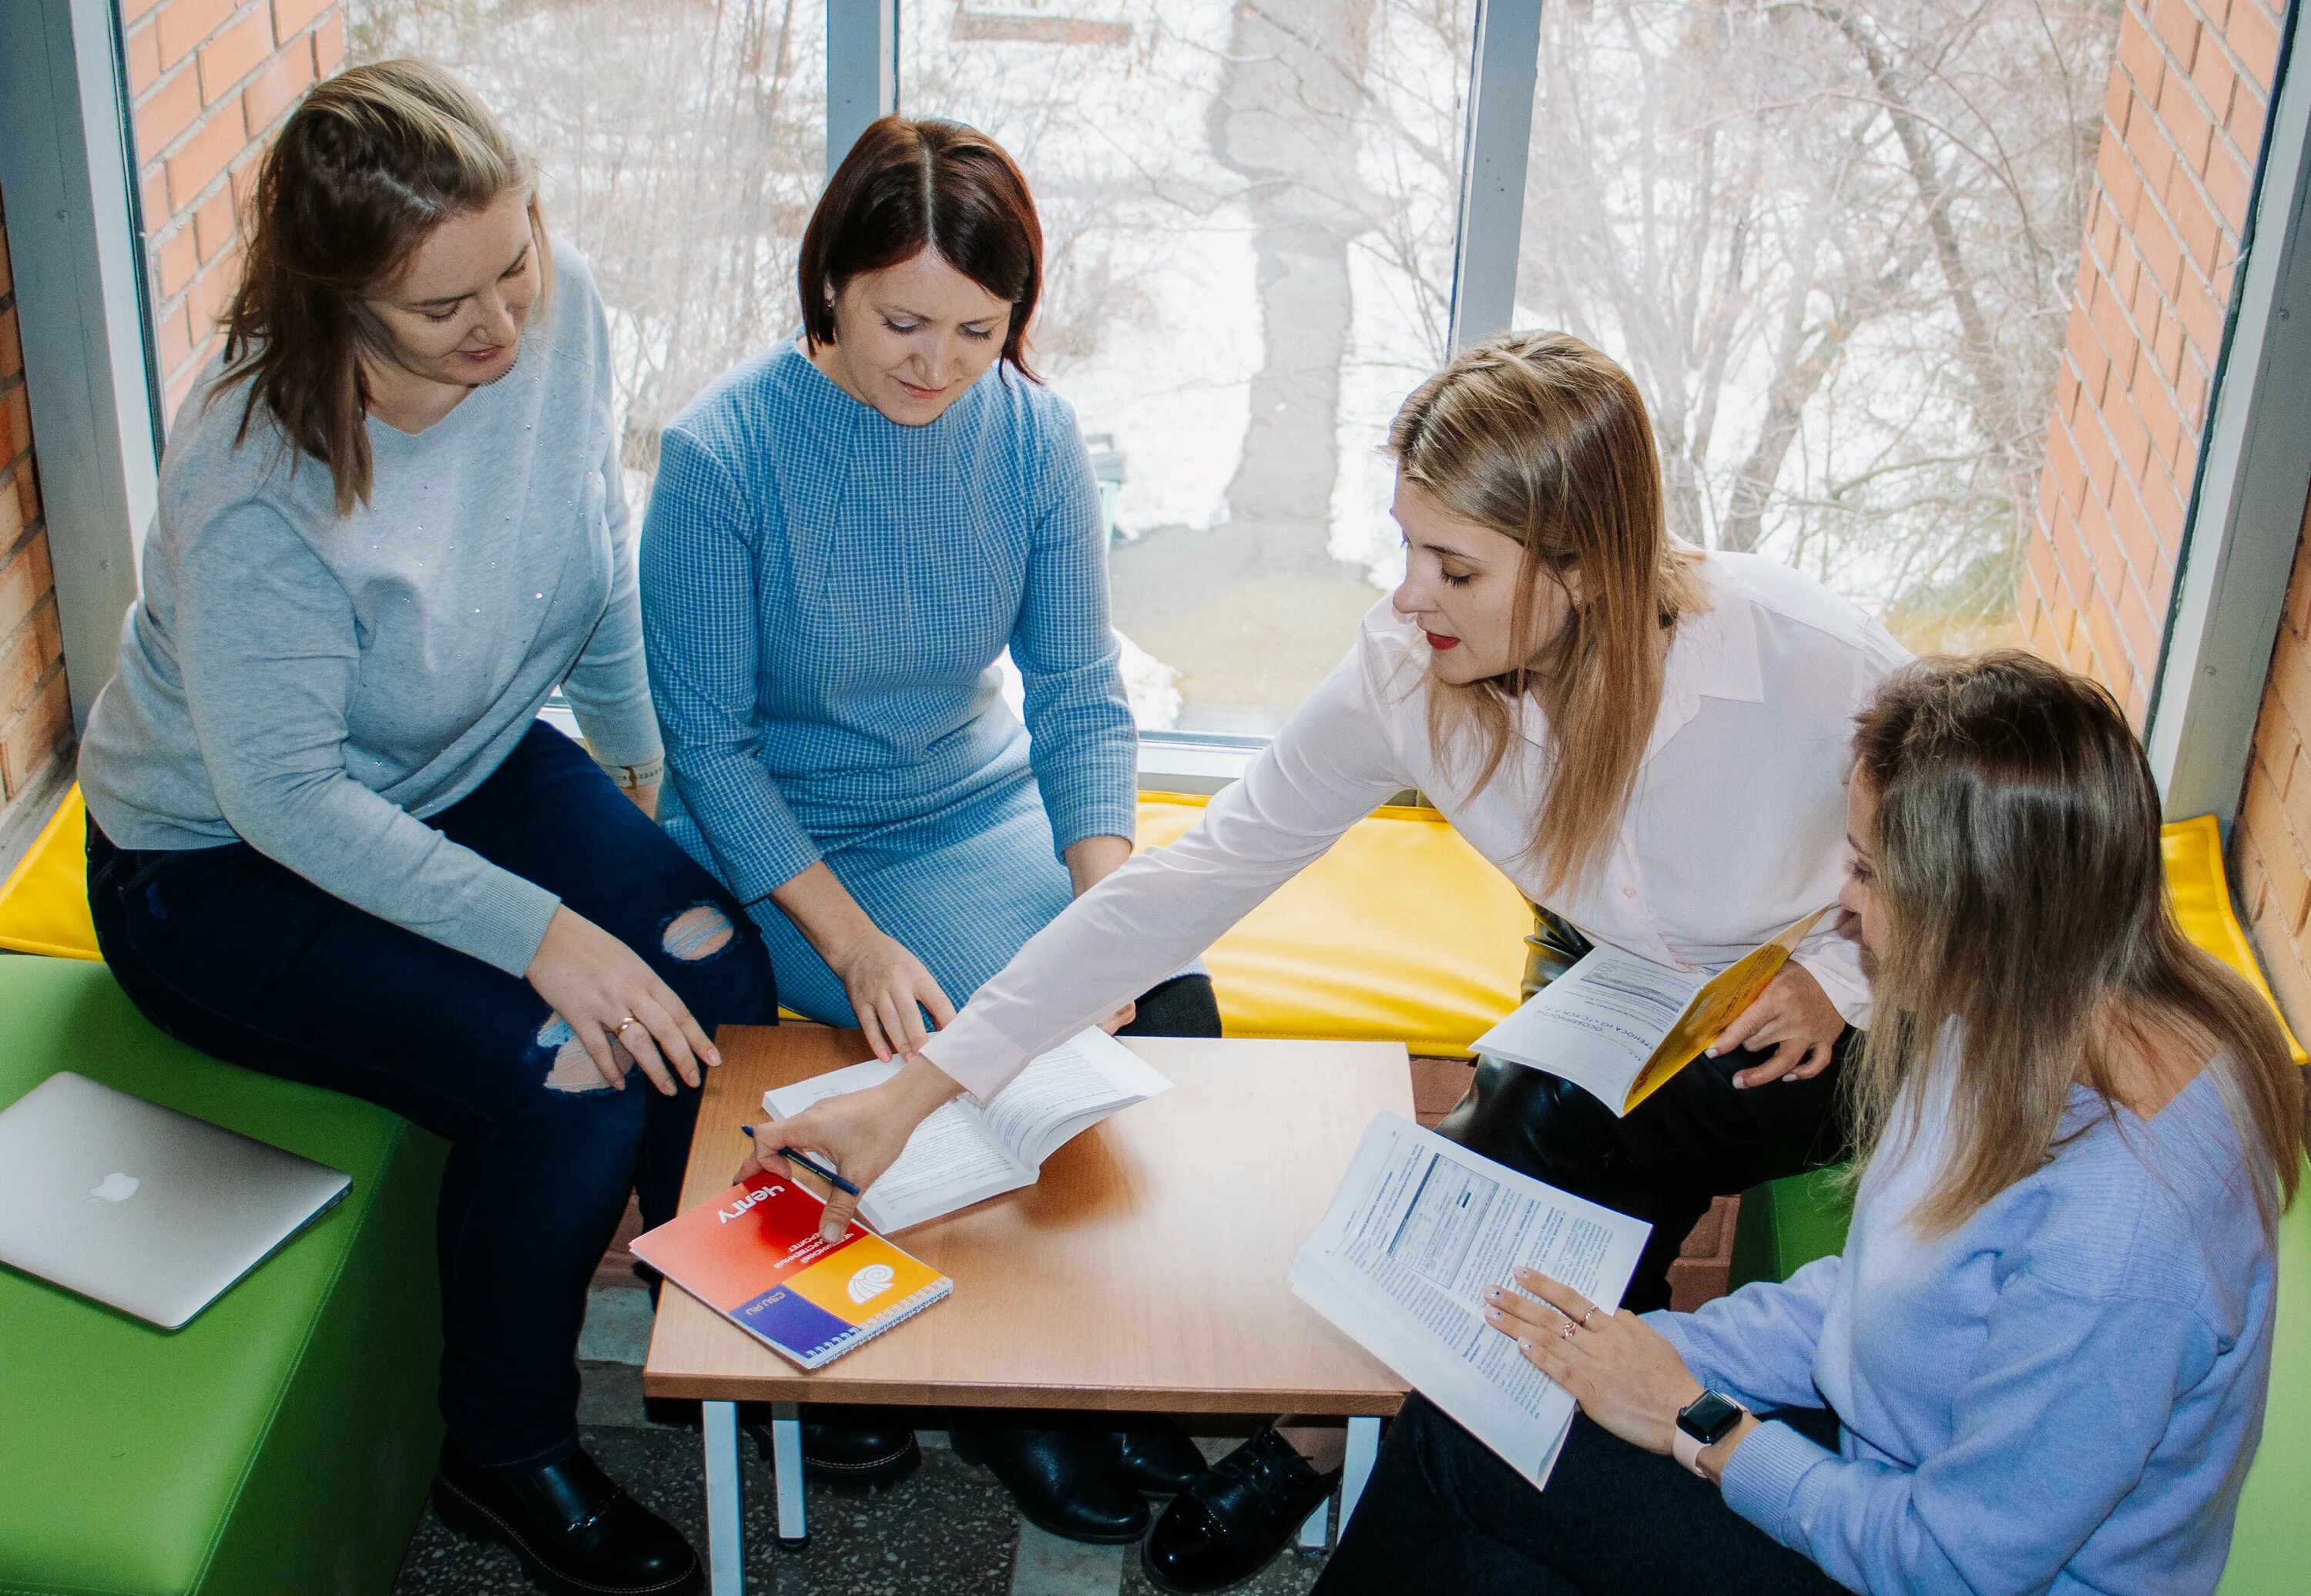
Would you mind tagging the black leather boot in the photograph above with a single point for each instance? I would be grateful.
(1158, 1458)
(1067, 1481)
(571, 1525)
(852, 1450)
(1235, 1516)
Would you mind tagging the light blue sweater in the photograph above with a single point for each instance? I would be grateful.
(824, 594)
(2064, 1395)
(317, 685)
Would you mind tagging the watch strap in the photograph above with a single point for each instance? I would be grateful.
(1687, 1449)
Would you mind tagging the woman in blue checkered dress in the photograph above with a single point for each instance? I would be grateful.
(846, 535)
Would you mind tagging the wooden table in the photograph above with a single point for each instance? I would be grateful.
(1144, 1273)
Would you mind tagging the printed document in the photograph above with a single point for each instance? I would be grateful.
(1418, 1231)
(965, 1153)
(1619, 1026)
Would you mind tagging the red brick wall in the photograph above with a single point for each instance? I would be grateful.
(35, 713)
(207, 80)
(2183, 122)
(2271, 846)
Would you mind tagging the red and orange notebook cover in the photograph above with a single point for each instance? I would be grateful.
(755, 1256)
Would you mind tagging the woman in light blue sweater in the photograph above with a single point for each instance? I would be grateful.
(2042, 1360)
(329, 838)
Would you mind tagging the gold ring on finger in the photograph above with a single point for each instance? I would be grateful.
(1586, 1317)
(620, 1028)
(1569, 1328)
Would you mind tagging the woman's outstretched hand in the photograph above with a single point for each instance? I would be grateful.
(611, 999)
(859, 1135)
(1795, 1018)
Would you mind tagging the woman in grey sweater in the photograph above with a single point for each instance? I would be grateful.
(329, 838)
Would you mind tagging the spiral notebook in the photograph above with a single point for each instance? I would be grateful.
(755, 1256)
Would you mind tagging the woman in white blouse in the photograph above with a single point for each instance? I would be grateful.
(1649, 740)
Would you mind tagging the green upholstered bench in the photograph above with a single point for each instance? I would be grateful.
(1789, 1224)
(283, 1441)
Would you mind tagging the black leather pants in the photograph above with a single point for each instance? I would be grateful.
(1696, 1138)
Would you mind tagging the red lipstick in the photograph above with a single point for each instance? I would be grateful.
(1440, 643)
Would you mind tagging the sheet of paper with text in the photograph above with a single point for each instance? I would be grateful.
(1419, 1228)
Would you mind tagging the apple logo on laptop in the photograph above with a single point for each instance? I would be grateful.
(115, 1187)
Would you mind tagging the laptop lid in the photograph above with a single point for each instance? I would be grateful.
(141, 1208)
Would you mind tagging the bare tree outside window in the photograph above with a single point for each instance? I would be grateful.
(1833, 244)
(1832, 240)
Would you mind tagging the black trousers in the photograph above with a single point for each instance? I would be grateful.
(1444, 1513)
(248, 960)
(1696, 1139)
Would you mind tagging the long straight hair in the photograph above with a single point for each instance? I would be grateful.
(369, 164)
(2017, 858)
(1542, 439)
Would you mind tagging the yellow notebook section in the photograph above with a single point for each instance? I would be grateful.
(1714, 1007)
(1401, 933)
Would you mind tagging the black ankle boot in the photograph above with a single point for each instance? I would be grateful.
(1067, 1481)
(571, 1525)
(1158, 1458)
(852, 1450)
(1235, 1516)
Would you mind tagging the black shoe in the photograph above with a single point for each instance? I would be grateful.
(1065, 1481)
(853, 1449)
(571, 1525)
(1235, 1516)
(1158, 1457)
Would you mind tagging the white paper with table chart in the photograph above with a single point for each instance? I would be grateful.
(1419, 1228)
(964, 1153)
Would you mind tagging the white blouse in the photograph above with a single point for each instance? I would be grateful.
(1735, 826)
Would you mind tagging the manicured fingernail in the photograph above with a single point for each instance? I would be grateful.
(829, 1232)
(1491, 1293)
(1526, 1345)
(1740, 1083)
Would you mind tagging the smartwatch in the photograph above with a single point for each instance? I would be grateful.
(1703, 1422)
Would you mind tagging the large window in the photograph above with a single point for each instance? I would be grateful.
(1834, 244)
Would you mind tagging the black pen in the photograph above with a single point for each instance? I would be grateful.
(812, 1165)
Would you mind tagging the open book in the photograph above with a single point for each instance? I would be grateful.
(1419, 1228)
(964, 1152)
(1619, 1026)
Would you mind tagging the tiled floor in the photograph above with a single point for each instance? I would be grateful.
(950, 1530)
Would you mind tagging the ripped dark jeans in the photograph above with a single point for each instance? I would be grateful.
(249, 962)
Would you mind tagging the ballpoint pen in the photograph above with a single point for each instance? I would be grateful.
(812, 1165)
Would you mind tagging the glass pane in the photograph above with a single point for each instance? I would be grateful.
(682, 146)
(1834, 246)
(1248, 211)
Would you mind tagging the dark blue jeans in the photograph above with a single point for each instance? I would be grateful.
(1442, 1513)
(246, 960)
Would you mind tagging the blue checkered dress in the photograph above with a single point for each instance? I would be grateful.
(824, 593)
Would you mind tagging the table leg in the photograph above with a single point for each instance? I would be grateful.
(1364, 1447)
(1316, 1528)
(724, 1565)
(785, 1452)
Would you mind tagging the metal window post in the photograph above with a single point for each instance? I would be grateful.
(1505, 68)
(862, 70)
(2246, 508)
(65, 171)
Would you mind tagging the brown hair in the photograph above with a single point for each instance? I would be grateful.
(908, 185)
(369, 164)
(2017, 858)
(1538, 437)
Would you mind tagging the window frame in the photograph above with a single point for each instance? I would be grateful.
(67, 161)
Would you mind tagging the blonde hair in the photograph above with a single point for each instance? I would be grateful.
(367, 165)
(2017, 858)
(1540, 437)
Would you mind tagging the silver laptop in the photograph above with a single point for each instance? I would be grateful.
(145, 1209)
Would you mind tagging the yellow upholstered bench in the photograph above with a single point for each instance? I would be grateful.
(44, 902)
(1402, 932)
